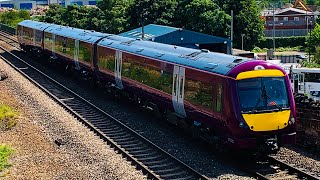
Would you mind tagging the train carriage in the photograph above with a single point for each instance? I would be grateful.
(76, 46)
(30, 35)
(243, 103)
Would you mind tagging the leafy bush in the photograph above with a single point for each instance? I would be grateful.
(5, 152)
(279, 49)
(13, 17)
(294, 41)
(7, 117)
(310, 64)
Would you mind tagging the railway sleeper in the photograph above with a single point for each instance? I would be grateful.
(129, 145)
(164, 171)
(150, 158)
(127, 139)
(140, 151)
(136, 148)
(139, 155)
(160, 166)
(174, 175)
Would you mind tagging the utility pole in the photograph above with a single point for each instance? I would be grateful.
(310, 24)
(231, 30)
(242, 35)
(274, 31)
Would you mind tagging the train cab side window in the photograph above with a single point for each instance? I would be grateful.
(219, 99)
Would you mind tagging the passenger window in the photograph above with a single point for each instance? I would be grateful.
(47, 40)
(199, 93)
(106, 59)
(38, 36)
(84, 52)
(147, 72)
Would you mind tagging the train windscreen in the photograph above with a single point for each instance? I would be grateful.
(263, 94)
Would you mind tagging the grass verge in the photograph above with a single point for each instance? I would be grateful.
(5, 152)
(7, 117)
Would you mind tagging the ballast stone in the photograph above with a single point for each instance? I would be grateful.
(3, 75)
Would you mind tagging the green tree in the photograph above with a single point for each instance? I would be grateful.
(152, 11)
(13, 17)
(116, 18)
(247, 21)
(53, 15)
(203, 16)
(313, 43)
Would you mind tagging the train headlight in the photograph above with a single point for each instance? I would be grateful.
(243, 125)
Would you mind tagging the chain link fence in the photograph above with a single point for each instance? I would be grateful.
(286, 32)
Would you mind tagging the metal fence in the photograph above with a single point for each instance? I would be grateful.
(8, 29)
(287, 58)
(286, 32)
(283, 58)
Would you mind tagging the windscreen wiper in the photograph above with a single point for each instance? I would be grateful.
(268, 97)
(265, 96)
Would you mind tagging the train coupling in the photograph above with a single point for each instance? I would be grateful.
(268, 145)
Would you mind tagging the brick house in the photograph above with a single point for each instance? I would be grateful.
(289, 21)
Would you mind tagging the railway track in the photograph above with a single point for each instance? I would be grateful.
(271, 168)
(146, 156)
(152, 160)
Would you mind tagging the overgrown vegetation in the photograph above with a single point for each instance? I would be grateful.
(7, 117)
(279, 49)
(13, 17)
(5, 152)
(313, 46)
(293, 41)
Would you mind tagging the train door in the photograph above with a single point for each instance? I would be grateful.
(178, 90)
(118, 68)
(301, 88)
(76, 54)
(34, 37)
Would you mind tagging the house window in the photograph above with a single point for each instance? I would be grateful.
(276, 19)
(296, 18)
(285, 18)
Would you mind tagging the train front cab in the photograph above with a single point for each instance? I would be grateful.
(266, 117)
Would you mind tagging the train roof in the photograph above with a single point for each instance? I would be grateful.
(75, 33)
(201, 59)
(70, 32)
(34, 24)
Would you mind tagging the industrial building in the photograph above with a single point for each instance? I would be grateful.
(181, 37)
(27, 4)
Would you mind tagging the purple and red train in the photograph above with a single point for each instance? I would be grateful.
(242, 103)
